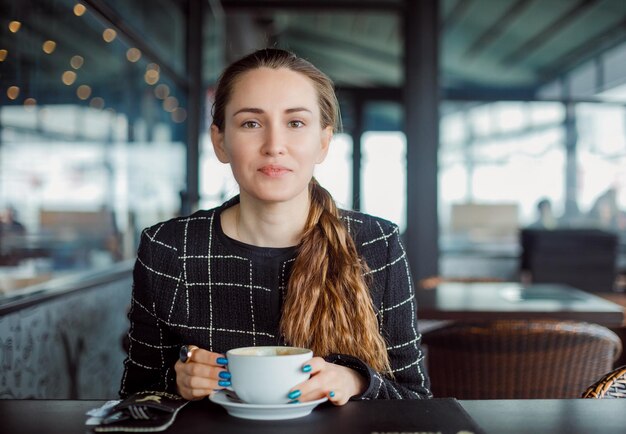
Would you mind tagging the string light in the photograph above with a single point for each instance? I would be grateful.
(49, 46)
(3, 55)
(79, 9)
(170, 104)
(13, 92)
(30, 103)
(109, 35)
(68, 77)
(14, 26)
(179, 115)
(133, 54)
(83, 92)
(162, 91)
(151, 76)
(96, 102)
(77, 61)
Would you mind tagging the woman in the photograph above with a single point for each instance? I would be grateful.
(278, 264)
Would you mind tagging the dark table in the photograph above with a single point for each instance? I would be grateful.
(512, 300)
(575, 416)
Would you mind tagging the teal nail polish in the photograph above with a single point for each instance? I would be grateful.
(222, 361)
(331, 394)
(224, 383)
(225, 375)
(294, 395)
(295, 401)
(306, 368)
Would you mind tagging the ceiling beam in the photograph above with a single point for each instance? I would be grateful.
(326, 5)
(549, 32)
(500, 26)
(455, 15)
(325, 39)
(349, 67)
(584, 52)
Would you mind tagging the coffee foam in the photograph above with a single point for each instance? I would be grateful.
(268, 351)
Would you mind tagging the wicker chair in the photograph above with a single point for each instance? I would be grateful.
(518, 359)
(612, 385)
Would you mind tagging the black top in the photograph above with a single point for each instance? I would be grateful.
(195, 285)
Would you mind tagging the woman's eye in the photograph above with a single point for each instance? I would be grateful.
(250, 124)
(296, 124)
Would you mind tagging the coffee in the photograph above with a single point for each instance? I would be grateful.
(265, 375)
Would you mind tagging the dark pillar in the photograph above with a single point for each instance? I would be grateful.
(195, 100)
(421, 98)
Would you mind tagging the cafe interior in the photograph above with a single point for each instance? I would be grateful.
(492, 132)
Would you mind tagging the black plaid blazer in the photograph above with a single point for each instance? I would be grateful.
(194, 285)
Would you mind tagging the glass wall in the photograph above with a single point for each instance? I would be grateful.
(92, 132)
(502, 162)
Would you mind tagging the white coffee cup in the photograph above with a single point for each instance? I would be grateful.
(265, 375)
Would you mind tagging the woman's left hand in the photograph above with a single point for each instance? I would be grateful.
(336, 382)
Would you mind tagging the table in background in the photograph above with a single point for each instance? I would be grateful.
(512, 300)
(570, 416)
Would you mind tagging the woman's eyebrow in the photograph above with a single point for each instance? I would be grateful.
(256, 110)
(248, 110)
(297, 109)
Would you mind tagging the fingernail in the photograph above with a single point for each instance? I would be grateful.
(295, 401)
(331, 394)
(306, 368)
(224, 383)
(294, 395)
(225, 375)
(222, 361)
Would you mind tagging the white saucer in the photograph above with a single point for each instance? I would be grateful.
(264, 412)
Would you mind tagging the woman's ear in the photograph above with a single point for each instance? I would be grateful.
(217, 138)
(327, 136)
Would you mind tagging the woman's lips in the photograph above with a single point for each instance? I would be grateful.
(274, 171)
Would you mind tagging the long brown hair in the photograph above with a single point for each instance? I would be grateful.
(327, 305)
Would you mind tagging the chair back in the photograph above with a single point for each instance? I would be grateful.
(611, 385)
(518, 359)
(583, 258)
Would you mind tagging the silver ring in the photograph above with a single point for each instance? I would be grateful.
(186, 351)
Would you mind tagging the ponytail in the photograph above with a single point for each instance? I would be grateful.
(328, 307)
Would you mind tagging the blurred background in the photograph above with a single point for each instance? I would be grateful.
(464, 121)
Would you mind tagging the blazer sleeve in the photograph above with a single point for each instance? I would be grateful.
(397, 316)
(152, 349)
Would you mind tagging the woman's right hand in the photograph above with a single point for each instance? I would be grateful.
(201, 375)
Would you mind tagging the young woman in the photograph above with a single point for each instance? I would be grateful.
(278, 264)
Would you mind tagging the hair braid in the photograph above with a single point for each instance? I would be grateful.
(328, 307)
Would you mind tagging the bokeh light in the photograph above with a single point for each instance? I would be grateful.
(49, 47)
(83, 91)
(79, 9)
(109, 35)
(77, 61)
(13, 92)
(68, 77)
(133, 54)
(14, 26)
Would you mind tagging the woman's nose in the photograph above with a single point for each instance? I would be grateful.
(274, 143)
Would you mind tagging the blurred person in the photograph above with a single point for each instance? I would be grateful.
(278, 264)
(605, 213)
(545, 216)
(9, 224)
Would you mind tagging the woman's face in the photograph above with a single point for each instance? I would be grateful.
(272, 134)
